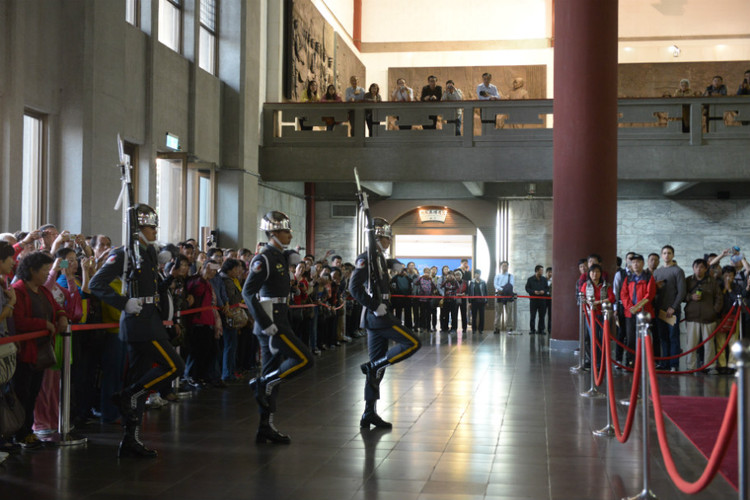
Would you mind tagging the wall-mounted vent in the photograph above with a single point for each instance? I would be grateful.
(343, 210)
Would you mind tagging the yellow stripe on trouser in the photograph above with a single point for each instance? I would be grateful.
(414, 342)
(172, 367)
(298, 353)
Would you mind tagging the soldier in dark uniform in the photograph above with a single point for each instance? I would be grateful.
(141, 327)
(381, 326)
(266, 293)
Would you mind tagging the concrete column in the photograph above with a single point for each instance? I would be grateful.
(585, 150)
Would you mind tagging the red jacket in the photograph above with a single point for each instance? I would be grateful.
(640, 290)
(26, 323)
(203, 293)
(598, 295)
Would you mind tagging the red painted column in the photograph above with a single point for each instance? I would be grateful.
(309, 218)
(585, 148)
(357, 27)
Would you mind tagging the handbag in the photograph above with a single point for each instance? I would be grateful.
(7, 362)
(45, 355)
(12, 414)
(236, 317)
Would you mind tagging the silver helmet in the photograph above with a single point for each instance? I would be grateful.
(275, 221)
(146, 216)
(382, 227)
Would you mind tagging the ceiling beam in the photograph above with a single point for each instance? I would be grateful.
(676, 187)
(380, 188)
(475, 188)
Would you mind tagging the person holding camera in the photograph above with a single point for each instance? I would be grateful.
(451, 93)
(402, 93)
(486, 91)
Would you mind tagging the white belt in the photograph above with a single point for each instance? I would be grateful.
(150, 300)
(274, 300)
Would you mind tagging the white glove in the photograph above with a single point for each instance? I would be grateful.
(133, 306)
(381, 310)
(271, 330)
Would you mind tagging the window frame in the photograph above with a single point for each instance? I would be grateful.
(177, 4)
(136, 14)
(41, 195)
(214, 36)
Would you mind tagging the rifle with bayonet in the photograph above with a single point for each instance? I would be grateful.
(376, 272)
(130, 230)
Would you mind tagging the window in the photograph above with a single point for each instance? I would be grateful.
(33, 185)
(207, 42)
(133, 12)
(184, 197)
(170, 24)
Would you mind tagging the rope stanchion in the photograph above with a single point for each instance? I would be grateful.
(581, 339)
(593, 392)
(644, 318)
(741, 351)
(719, 450)
(63, 436)
(608, 430)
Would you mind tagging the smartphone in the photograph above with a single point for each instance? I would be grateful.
(64, 264)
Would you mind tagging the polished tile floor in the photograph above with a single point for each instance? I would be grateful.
(485, 417)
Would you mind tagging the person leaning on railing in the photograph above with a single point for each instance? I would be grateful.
(372, 95)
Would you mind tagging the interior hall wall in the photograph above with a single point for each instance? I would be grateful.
(316, 52)
(656, 79)
(286, 201)
(335, 234)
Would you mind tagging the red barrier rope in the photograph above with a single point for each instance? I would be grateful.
(24, 337)
(623, 435)
(545, 297)
(719, 353)
(597, 367)
(713, 334)
(720, 448)
(659, 358)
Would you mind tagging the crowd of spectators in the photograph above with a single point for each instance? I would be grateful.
(485, 91)
(45, 287)
(45, 276)
(685, 309)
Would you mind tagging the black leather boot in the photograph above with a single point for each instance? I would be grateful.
(268, 432)
(263, 386)
(372, 371)
(131, 444)
(127, 402)
(371, 417)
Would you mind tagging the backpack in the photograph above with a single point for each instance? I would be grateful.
(424, 286)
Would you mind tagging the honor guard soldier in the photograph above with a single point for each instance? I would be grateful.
(266, 293)
(153, 360)
(381, 325)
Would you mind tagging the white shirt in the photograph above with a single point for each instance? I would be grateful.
(407, 94)
(490, 91)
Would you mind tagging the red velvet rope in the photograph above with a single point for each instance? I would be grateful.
(597, 367)
(720, 448)
(622, 435)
